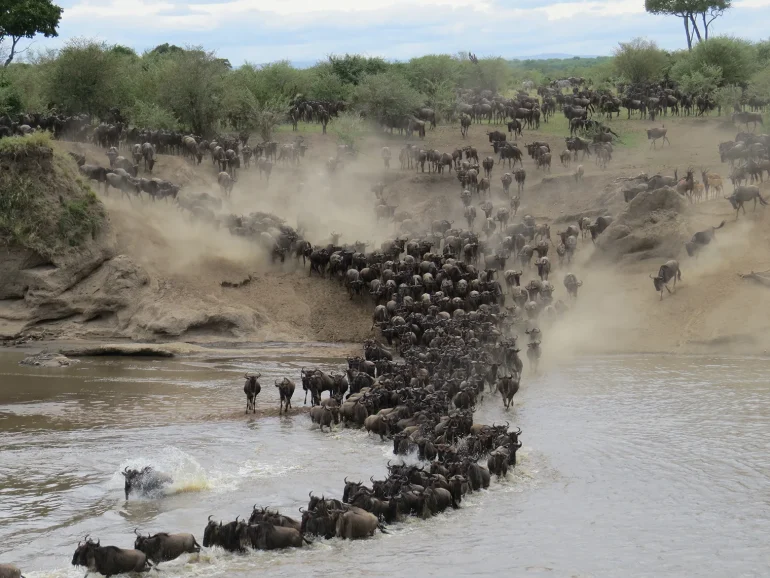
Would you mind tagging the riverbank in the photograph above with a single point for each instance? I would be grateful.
(164, 277)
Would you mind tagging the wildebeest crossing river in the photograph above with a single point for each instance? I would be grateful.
(631, 466)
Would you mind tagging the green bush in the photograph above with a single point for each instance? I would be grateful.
(640, 61)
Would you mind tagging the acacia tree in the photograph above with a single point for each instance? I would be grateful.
(689, 11)
(26, 18)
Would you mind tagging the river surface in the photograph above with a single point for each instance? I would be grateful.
(631, 466)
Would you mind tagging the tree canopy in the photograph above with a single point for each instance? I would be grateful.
(25, 19)
(640, 61)
(690, 11)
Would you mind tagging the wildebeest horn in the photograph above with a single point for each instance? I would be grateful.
(301, 510)
(99, 542)
(346, 479)
(651, 277)
(310, 494)
(211, 516)
(236, 518)
(135, 531)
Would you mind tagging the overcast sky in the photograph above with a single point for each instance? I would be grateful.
(262, 31)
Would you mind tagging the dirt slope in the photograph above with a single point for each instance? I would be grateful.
(618, 309)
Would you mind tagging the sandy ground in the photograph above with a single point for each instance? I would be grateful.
(617, 310)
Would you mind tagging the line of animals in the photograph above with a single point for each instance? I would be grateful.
(424, 403)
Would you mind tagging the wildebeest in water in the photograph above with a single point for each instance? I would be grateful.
(109, 560)
(145, 481)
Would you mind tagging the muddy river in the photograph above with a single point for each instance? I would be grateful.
(631, 466)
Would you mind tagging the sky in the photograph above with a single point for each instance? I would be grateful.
(304, 31)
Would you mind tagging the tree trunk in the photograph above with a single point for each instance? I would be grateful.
(705, 26)
(687, 32)
(14, 41)
(695, 27)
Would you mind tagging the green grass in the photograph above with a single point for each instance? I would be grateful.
(45, 205)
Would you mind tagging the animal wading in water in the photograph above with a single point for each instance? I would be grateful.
(252, 388)
(145, 481)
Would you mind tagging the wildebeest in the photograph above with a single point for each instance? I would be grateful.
(508, 386)
(706, 236)
(743, 194)
(667, 272)
(144, 481)
(267, 536)
(251, 388)
(163, 547)
(95, 173)
(109, 560)
(533, 354)
(9, 571)
(226, 183)
(654, 134)
(286, 391)
(222, 535)
(543, 268)
(356, 523)
(324, 416)
(571, 283)
(497, 463)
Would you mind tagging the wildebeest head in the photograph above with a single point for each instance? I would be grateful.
(733, 201)
(84, 549)
(659, 282)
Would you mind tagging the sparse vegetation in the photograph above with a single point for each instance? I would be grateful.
(45, 206)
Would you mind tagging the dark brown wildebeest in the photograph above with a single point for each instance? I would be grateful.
(163, 547)
(706, 236)
(286, 391)
(9, 571)
(251, 388)
(743, 194)
(109, 560)
(667, 272)
(508, 386)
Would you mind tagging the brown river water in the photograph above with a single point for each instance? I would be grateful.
(631, 466)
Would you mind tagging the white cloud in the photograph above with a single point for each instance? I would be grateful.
(561, 10)
(264, 31)
(303, 7)
(752, 4)
(117, 9)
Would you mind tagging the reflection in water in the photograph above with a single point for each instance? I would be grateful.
(631, 466)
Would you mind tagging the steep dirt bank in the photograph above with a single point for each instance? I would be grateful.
(165, 281)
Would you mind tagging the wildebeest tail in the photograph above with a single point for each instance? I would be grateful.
(195, 543)
(722, 224)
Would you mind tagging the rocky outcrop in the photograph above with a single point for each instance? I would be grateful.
(48, 359)
(652, 226)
